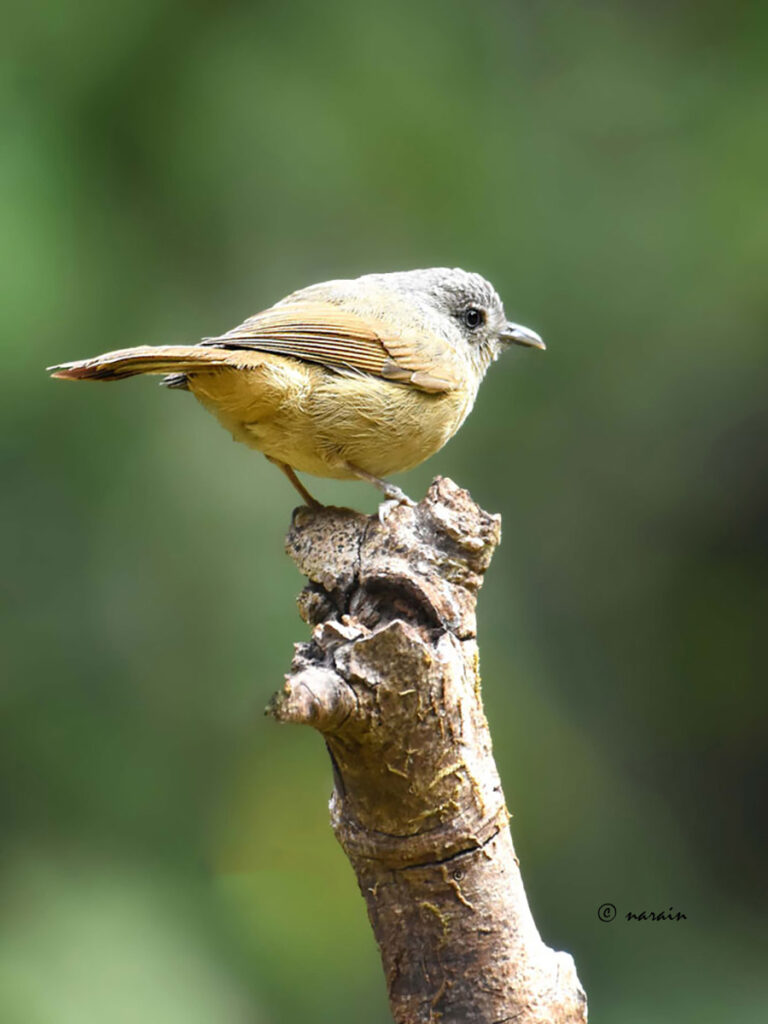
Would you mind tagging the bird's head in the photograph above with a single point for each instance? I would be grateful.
(465, 308)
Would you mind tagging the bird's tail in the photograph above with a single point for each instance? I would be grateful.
(127, 362)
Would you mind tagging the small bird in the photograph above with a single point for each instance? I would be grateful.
(349, 379)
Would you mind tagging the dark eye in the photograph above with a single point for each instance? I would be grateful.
(473, 317)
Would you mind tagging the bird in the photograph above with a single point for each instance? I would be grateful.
(348, 379)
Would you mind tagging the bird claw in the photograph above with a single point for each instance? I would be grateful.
(394, 497)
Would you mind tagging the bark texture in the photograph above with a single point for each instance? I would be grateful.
(390, 678)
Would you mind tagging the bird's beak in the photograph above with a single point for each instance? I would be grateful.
(514, 334)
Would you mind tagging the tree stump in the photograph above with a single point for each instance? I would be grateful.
(391, 680)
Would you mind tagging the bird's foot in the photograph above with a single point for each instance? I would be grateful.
(394, 497)
(395, 494)
(391, 492)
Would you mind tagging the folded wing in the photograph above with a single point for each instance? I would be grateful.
(324, 333)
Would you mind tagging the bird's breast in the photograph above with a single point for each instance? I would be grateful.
(318, 421)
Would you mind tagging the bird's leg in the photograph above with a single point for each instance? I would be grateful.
(390, 491)
(289, 472)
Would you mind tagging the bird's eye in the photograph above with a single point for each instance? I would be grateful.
(473, 317)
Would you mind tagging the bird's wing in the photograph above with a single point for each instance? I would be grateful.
(323, 332)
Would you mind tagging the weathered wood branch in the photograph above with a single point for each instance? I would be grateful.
(390, 678)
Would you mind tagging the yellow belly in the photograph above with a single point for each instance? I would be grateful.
(318, 421)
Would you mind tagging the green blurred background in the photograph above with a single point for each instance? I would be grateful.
(168, 168)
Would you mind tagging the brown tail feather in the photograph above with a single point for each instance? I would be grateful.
(128, 362)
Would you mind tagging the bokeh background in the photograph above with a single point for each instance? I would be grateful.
(168, 168)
